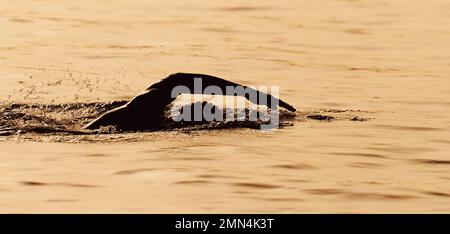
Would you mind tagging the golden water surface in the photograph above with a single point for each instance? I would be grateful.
(387, 61)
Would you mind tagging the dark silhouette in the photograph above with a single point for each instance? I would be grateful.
(146, 111)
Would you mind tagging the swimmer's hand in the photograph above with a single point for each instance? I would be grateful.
(287, 106)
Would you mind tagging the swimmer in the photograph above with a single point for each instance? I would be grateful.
(146, 111)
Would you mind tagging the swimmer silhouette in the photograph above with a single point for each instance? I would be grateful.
(146, 111)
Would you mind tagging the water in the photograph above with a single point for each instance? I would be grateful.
(384, 61)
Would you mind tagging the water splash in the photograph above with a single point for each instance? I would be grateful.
(58, 120)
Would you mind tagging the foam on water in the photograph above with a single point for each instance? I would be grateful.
(69, 119)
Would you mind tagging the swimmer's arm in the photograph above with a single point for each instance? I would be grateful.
(188, 80)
